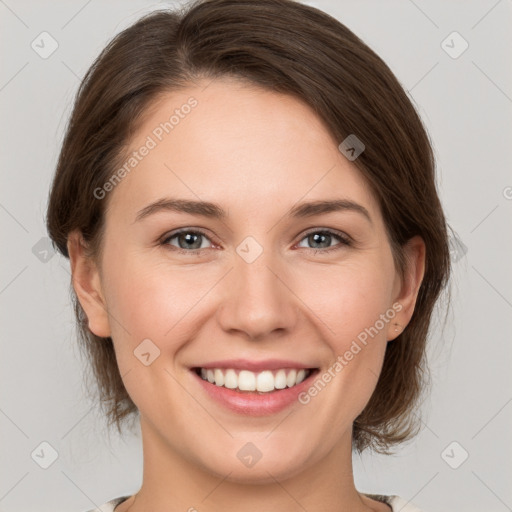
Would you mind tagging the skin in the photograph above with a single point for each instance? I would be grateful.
(256, 153)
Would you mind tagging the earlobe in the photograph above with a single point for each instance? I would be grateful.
(87, 285)
(414, 255)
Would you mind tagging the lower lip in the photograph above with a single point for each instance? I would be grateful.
(252, 403)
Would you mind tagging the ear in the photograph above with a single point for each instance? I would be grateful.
(87, 285)
(407, 288)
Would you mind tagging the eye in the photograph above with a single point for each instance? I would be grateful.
(189, 241)
(322, 240)
(193, 241)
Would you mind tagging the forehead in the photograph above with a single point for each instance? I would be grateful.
(232, 142)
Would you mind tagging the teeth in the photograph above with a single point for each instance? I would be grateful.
(280, 379)
(291, 378)
(263, 382)
(231, 380)
(219, 377)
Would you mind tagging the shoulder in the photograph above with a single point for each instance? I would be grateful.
(397, 503)
(109, 506)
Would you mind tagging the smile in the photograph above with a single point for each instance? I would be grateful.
(266, 381)
(253, 388)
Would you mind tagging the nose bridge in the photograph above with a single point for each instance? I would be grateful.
(257, 301)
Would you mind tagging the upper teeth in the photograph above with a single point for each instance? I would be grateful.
(245, 380)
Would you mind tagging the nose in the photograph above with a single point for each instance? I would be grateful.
(258, 299)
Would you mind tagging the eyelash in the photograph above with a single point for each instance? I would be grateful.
(344, 240)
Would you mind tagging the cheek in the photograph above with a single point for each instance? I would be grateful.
(348, 298)
(155, 301)
(355, 310)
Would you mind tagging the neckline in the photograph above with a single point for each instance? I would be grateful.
(383, 498)
(117, 501)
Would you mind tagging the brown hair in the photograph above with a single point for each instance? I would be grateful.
(286, 47)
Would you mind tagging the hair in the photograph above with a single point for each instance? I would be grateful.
(286, 47)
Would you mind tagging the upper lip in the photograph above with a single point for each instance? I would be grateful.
(254, 366)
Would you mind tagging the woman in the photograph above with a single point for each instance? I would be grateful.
(247, 198)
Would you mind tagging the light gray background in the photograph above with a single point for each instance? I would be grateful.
(466, 104)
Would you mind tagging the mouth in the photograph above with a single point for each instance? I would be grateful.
(246, 381)
(253, 388)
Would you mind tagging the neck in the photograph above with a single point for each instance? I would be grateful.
(172, 482)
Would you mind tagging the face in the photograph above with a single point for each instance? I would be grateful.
(257, 285)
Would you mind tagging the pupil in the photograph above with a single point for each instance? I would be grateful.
(189, 239)
(315, 237)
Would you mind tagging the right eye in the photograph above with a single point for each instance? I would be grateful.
(189, 241)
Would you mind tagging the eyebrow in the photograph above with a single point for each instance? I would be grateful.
(215, 211)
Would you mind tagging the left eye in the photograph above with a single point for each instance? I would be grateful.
(325, 237)
(192, 241)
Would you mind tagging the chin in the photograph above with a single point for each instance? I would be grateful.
(249, 464)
